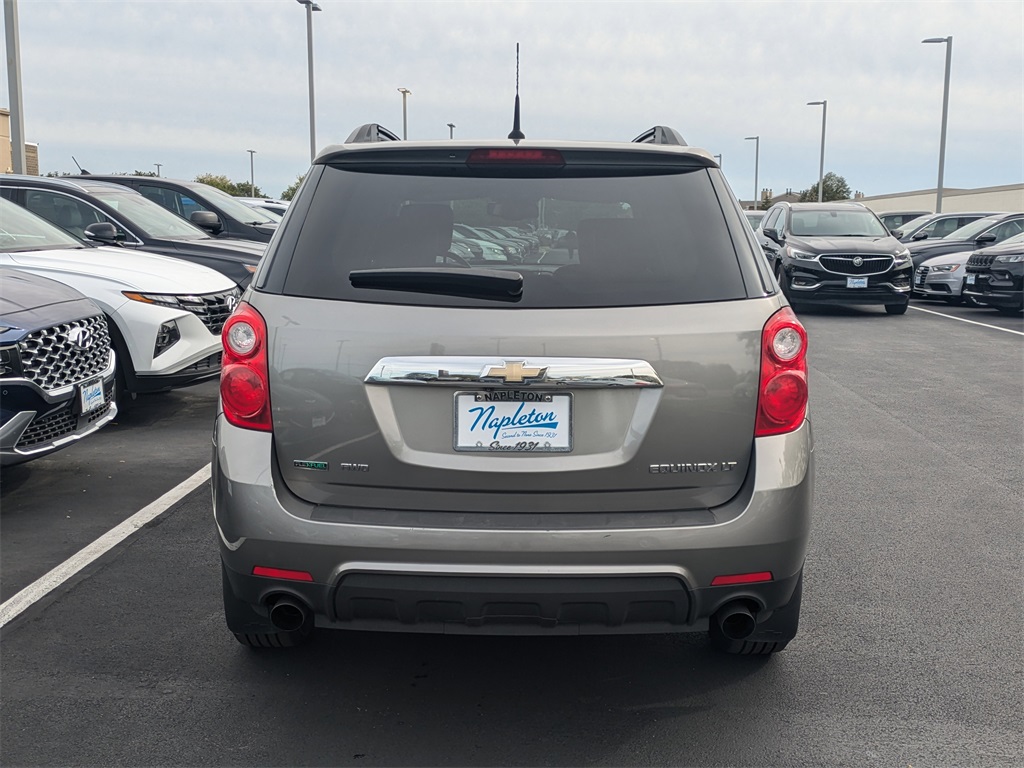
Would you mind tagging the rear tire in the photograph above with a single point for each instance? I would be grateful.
(896, 309)
(253, 630)
(770, 636)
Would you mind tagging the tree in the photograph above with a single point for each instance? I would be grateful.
(144, 173)
(835, 188)
(233, 188)
(289, 193)
(767, 201)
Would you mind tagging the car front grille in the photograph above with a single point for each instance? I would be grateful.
(215, 308)
(981, 259)
(59, 423)
(66, 354)
(846, 265)
(211, 363)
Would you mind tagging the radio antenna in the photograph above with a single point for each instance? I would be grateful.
(517, 133)
(81, 170)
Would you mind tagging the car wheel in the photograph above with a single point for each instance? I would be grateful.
(250, 628)
(770, 636)
(896, 309)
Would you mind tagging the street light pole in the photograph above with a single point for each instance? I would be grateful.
(719, 159)
(945, 111)
(158, 167)
(11, 36)
(405, 113)
(821, 165)
(757, 160)
(252, 173)
(451, 130)
(310, 7)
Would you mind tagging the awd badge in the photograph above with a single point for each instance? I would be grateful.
(318, 465)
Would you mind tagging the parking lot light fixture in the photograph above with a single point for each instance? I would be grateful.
(310, 7)
(451, 130)
(757, 160)
(945, 111)
(405, 113)
(719, 159)
(252, 174)
(158, 167)
(821, 164)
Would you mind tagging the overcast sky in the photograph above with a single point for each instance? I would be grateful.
(193, 84)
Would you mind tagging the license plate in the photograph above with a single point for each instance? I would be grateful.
(970, 279)
(856, 282)
(512, 421)
(92, 396)
(920, 279)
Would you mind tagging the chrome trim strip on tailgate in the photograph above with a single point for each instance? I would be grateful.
(556, 372)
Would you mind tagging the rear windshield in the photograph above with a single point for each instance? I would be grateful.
(578, 242)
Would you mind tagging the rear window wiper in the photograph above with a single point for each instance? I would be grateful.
(473, 283)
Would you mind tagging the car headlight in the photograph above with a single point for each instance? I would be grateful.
(189, 303)
(946, 268)
(1014, 258)
(902, 257)
(793, 253)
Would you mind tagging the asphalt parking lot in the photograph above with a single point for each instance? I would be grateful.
(909, 651)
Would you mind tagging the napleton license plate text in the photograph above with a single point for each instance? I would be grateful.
(513, 421)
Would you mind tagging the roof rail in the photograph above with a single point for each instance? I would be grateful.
(370, 132)
(660, 134)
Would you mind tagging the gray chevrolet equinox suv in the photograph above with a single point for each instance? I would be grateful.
(607, 436)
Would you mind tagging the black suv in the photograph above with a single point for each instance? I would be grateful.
(208, 207)
(836, 253)
(56, 367)
(112, 215)
(995, 276)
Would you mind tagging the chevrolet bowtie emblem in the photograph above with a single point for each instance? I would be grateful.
(513, 372)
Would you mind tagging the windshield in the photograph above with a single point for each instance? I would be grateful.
(754, 218)
(151, 219)
(909, 227)
(972, 230)
(817, 223)
(628, 240)
(21, 230)
(235, 209)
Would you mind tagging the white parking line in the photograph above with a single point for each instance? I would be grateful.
(972, 322)
(46, 584)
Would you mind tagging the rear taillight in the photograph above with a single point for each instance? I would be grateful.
(244, 373)
(782, 396)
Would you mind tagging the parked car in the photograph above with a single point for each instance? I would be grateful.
(754, 218)
(56, 367)
(893, 220)
(117, 216)
(990, 230)
(836, 253)
(942, 278)
(164, 315)
(617, 445)
(995, 276)
(935, 225)
(268, 204)
(207, 207)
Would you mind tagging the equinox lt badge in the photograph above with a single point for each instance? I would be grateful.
(703, 466)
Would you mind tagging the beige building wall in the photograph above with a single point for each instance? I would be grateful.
(6, 154)
(1009, 197)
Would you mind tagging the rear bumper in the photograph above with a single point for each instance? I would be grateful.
(619, 577)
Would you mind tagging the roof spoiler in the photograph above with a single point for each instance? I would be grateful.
(661, 134)
(370, 132)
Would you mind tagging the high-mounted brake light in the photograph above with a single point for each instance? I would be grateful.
(244, 373)
(782, 395)
(520, 155)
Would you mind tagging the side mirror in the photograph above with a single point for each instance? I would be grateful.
(104, 232)
(920, 236)
(988, 237)
(207, 220)
(773, 234)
